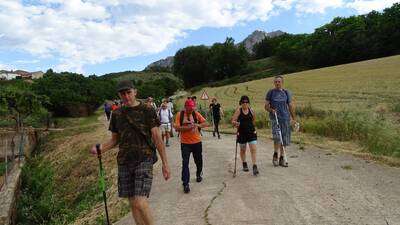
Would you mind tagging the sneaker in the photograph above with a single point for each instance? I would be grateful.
(283, 162)
(199, 179)
(255, 170)
(245, 167)
(186, 188)
(275, 159)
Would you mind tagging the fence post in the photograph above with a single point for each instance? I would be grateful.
(6, 159)
(21, 146)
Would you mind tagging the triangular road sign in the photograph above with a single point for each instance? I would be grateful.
(204, 96)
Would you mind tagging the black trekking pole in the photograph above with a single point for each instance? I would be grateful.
(234, 171)
(102, 182)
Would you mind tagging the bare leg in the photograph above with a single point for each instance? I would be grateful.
(253, 150)
(243, 153)
(141, 210)
(166, 137)
(277, 147)
(283, 152)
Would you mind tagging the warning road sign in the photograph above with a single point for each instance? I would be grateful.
(204, 96)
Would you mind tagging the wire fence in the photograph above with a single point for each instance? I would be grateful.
(12, 150)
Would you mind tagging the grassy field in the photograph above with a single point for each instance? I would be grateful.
(367, 85)
(358, 102)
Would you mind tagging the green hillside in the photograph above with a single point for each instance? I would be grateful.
(362, 85)
(133, 75)
(357, 102)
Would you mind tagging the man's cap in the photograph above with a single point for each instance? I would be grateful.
(190, 104)
(125, 85)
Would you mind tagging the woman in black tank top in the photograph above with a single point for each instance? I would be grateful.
(243, 119)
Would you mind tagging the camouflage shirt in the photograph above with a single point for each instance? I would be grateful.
(133, 148)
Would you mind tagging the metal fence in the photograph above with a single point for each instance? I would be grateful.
(12, 150)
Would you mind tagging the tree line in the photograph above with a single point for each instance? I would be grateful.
(197, 65)
(68, 94)
(343, 40)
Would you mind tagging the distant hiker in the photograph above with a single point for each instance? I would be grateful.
(170, 106)
(188, 122)
(165, 116)
(244, 120)
(134, 128)
(107, 110)
(279, 101)
(216, 113)
(150, 103)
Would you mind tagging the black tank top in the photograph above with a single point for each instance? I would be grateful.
(246, 123)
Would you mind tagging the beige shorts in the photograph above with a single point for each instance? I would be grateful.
(165, 127)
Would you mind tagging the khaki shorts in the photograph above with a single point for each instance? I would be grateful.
(165, 127)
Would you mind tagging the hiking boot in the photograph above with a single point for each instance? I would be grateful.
(199, 177)
(283, 161)
(186, 188)
(255, 170)
(245, 167)
(275, 159)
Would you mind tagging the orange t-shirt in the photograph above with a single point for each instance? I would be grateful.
(191, 136)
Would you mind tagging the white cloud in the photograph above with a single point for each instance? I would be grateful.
(78, 33)
(23, 61)
(317, 6)
(6, 67)
(365, 6)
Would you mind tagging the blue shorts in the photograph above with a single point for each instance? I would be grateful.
(243, 145)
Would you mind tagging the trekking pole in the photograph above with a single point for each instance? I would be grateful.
(279, 131)
(102, 182)
(234, 171)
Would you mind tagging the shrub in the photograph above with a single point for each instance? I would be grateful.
(376, 135)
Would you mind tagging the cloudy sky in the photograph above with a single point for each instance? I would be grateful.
(101, 36)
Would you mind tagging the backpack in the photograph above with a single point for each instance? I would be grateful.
(181, 116)
(169, 115)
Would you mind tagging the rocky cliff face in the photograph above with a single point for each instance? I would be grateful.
(163, 63)
(256, 37)
(249, 42)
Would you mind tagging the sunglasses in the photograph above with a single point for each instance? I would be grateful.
(125, 92)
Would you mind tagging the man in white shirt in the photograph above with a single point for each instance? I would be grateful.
(170, 106)
(165, 116)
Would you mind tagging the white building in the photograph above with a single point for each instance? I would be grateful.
(7, 75)
(37, 75)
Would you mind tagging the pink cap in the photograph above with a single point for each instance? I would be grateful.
(190, 104)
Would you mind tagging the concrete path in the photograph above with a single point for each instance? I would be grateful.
(318, 187)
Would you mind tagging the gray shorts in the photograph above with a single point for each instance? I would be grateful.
(285, 129)
(135, 181)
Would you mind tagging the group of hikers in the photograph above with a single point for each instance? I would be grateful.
(139, 128)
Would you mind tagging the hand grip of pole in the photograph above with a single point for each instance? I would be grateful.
(98, 150)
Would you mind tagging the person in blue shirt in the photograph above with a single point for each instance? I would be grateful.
(279, 101)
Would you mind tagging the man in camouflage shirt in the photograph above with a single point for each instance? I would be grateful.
(131, 125)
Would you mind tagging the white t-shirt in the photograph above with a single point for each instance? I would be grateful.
(165, 115)
(170, 106)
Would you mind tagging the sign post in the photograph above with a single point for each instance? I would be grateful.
(204, 97)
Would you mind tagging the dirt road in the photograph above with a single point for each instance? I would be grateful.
(318, 187)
